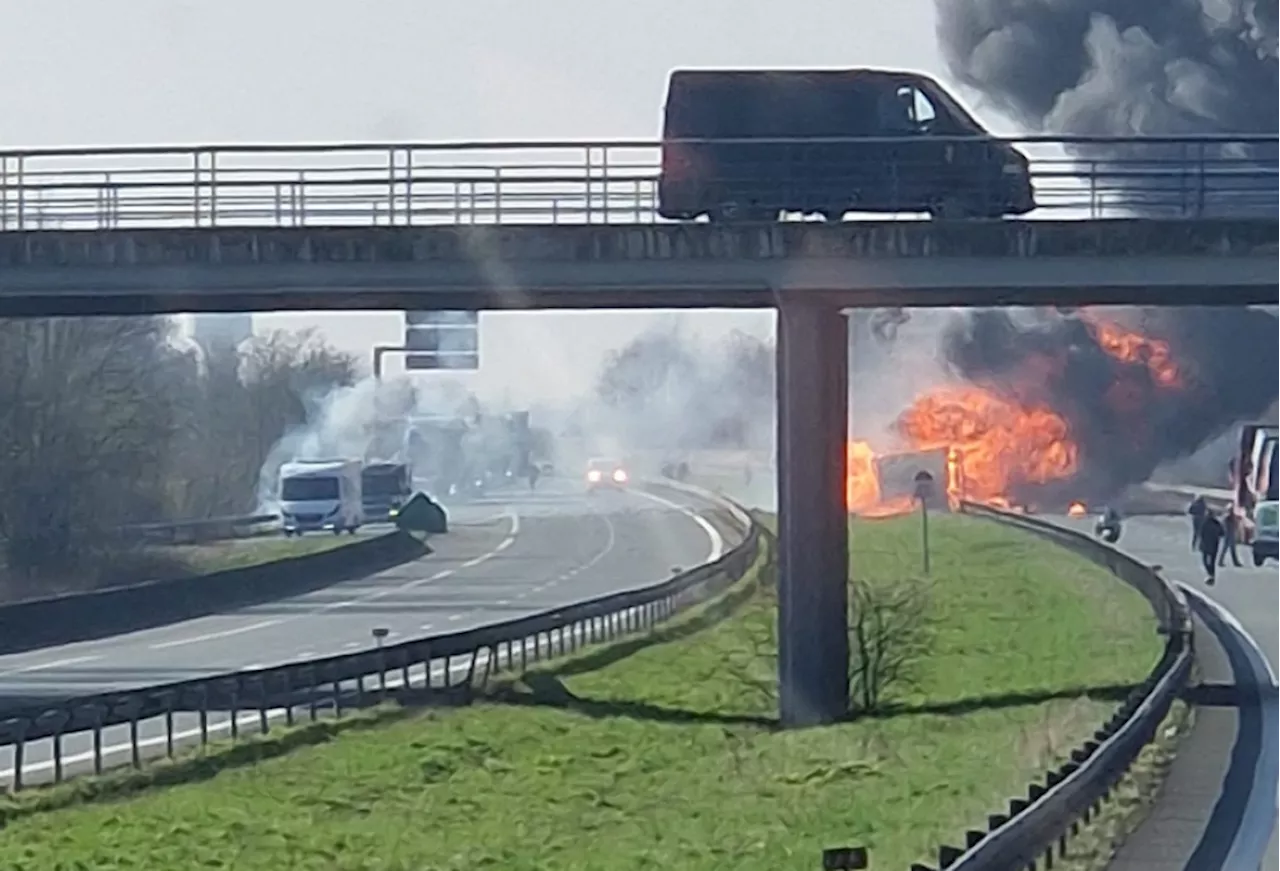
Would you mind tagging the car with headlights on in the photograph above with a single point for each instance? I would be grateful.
(606, 474)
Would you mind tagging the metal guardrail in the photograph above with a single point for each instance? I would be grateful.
(575, 182)
(438, 669)
(199, 530)
(1036, 828)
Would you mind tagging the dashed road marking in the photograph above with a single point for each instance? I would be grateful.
(42, 666)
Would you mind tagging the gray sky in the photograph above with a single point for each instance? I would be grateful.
(97, 72)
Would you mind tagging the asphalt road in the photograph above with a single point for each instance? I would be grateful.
(509, 555)
(1218, 806)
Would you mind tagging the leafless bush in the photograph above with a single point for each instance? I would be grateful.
(890, 633)
(107, 421)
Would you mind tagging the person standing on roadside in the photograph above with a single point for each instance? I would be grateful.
(1211, 533)
(1198, 510)
(1231, 530)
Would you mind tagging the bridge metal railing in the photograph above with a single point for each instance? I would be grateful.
(574, 182)
(93, 733)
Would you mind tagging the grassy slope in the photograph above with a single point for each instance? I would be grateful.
(243, 552)
(667, 759)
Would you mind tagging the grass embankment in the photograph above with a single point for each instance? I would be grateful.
(669, 758)
(239, 553)
(139, 564)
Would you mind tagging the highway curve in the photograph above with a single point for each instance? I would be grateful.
(1218, 806)
(507, 556)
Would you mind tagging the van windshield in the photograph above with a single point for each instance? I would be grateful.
(308, 489)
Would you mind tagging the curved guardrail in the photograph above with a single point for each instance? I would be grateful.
(1035, 829)
(437, 669)
(199, 530)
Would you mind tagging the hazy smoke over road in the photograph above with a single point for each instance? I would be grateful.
(1108, 68)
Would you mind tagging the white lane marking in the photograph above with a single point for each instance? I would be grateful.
(717, 540)
(425, 626)
(42, 666)
(453, 617)
(511, 516)
(211, 636)
(305, 654)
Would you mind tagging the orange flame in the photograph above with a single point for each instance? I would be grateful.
(992, 443)
(996, 444)
(1076, 509)
(1131, 347)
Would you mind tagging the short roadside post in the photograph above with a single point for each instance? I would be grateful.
(924, 492)
(380, 634)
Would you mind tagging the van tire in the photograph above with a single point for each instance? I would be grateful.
(1259, 559)
(733, 212)
(952, 209)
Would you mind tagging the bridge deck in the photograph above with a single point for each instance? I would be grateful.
(1134, 261)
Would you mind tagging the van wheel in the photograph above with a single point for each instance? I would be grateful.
(1258, 559)
(732, 212)
(728, 212)
(951, 209)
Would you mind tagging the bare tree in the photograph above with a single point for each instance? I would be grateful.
(85, 429)
(890, 633)
(106, 421)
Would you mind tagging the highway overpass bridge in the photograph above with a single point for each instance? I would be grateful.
(476, 226)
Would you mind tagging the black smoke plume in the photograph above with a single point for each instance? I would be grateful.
(1123, 417)
(1126, 68)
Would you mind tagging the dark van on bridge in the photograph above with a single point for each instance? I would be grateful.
(745, 145)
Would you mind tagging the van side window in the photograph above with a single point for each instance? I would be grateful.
(923, 112)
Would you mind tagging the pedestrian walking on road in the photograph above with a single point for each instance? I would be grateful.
(1231, 530)
(1198, 510)
(1211, 533)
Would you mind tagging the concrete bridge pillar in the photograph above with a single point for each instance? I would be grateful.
(813, 531)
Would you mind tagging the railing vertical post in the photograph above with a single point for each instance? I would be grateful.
(497, 194)
(195, 187)
(604, 182)
(213, 188)
(1200, 176)
(300, 215)
(391, 187)
(587, 183)
(4, 192)
(408, 186)
(22, 192)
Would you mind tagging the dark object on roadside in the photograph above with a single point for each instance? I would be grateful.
(1108, 527)
(745, 145)
(421, 514)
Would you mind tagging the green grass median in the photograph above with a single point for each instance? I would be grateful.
(669, 757)
(239, 553)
